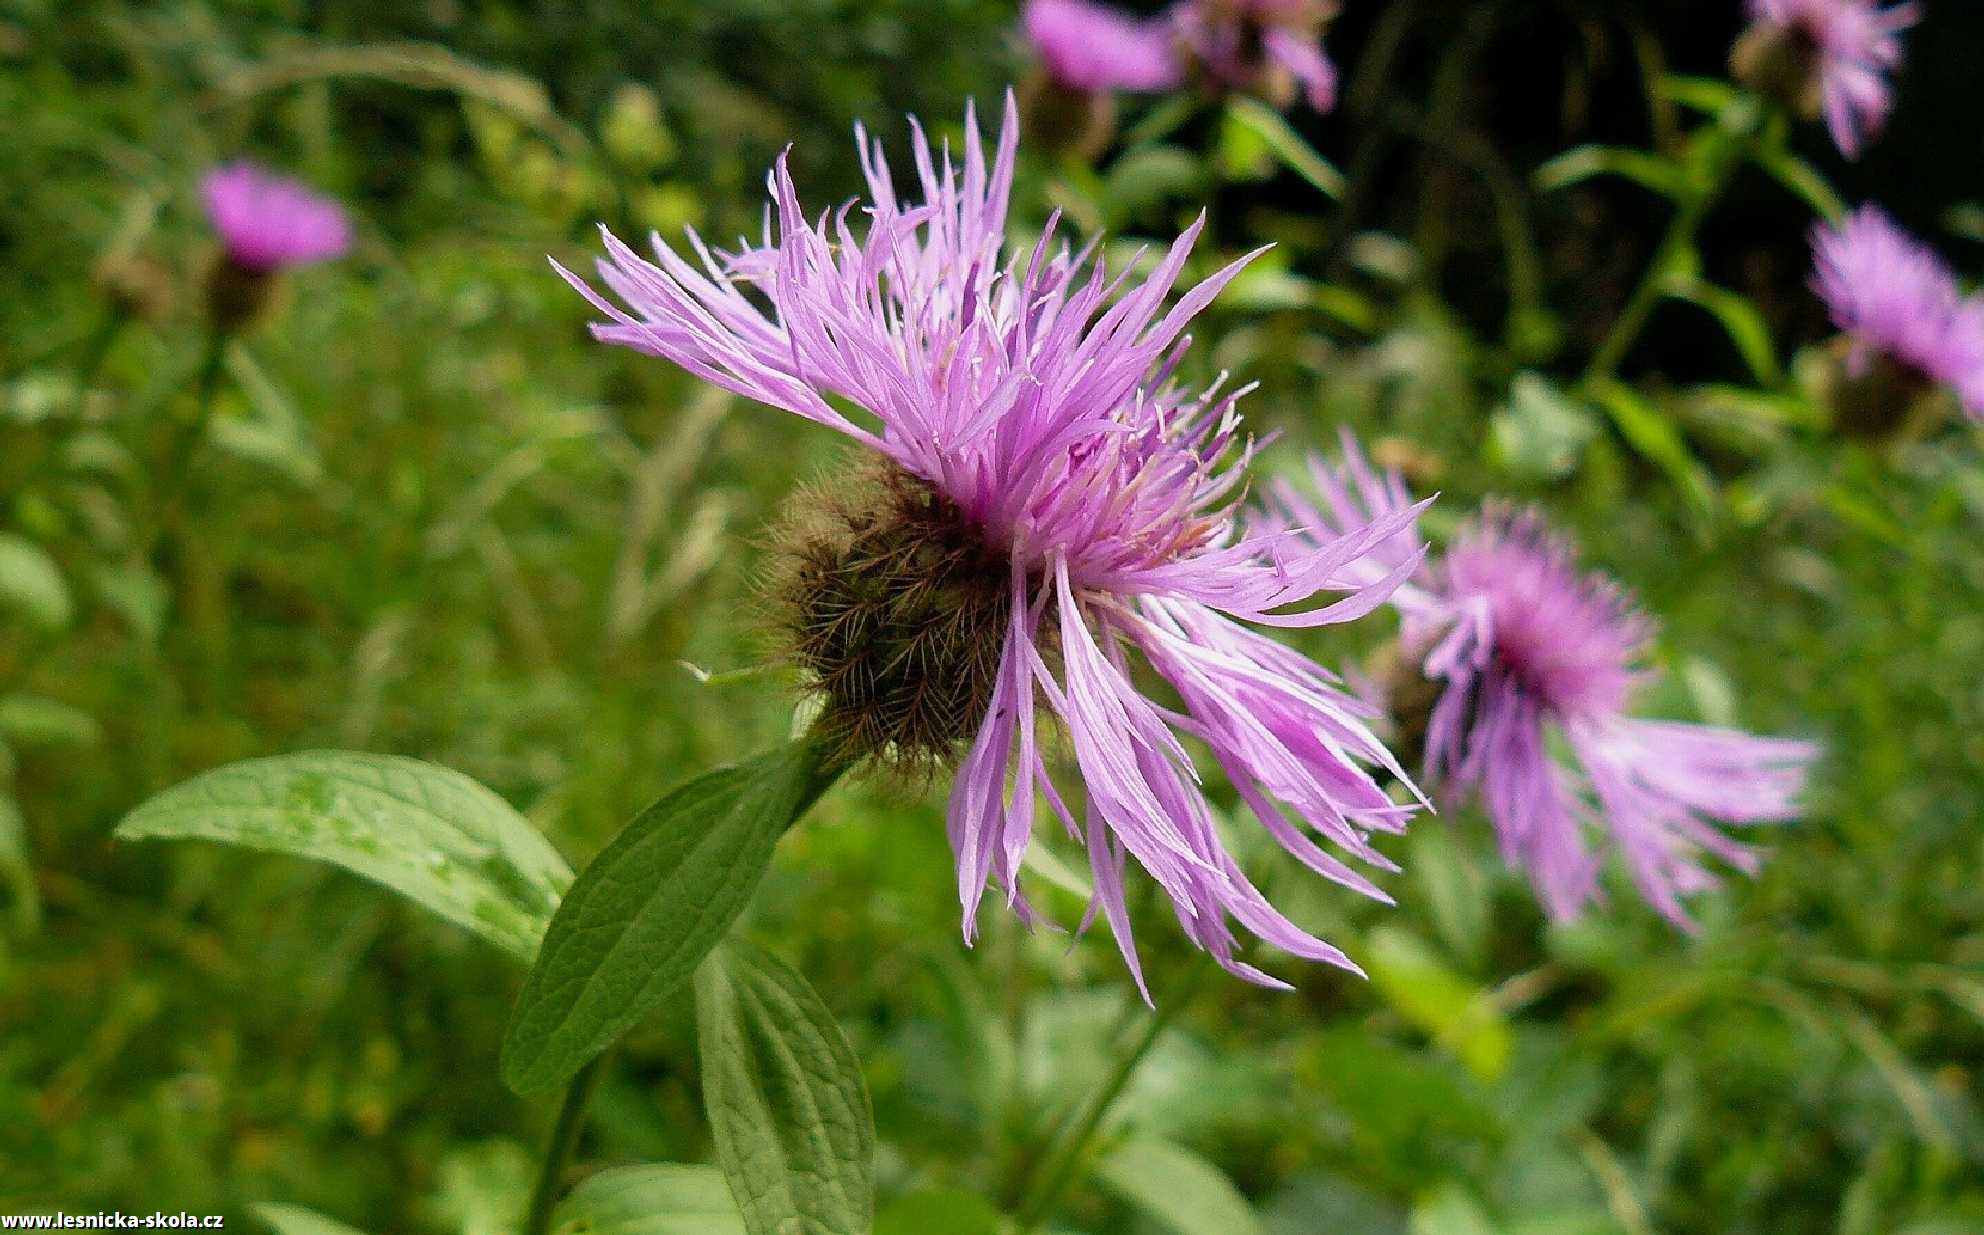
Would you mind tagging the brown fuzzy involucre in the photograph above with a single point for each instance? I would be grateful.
(898, 610)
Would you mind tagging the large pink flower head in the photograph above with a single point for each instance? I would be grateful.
(1091, 47)
(1265, 47)
(1831, 57)
(1524, 646)
(1050, 505)
(1896, 300)
(266, 221)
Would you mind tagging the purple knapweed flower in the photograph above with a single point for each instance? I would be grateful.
(1897, 301)
(1051, 505)
(1523, 648)
(1265, 47)
(266, 221)
(1830, 58)
(1090, 47)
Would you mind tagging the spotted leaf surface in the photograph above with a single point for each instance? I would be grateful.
(427, 832)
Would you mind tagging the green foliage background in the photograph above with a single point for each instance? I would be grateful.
(435, 520)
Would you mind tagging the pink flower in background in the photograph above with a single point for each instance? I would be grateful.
(1262, 46)
(1525, 646)
(1090, 47)
(1054, 488)
(1968, 328)
(1895, 299)
(1851, 46)
(268, 221)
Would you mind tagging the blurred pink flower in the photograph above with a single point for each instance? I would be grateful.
(266, 221)
(1894, 298)
(1852, 45)
(1091, 47)
(1525, 646)
(1259, 45)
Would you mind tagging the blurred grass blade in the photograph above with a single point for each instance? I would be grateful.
(1740, 320)
(1649, 431)
(643, 915)
(1621, 1196)
(31, 585)
(136, 593)
(418, 66)
(1181, 1190)
(1914, 1094)
(1589, 162)
(1805, 182)
(1149, 176)
(1460, 1016)
(1163, 120)
(296, 1220)
(660, 1199)
(1054, 870)
(1859, 509)
(794, 1131)
(1286, 145)
(17, 870)
(1709, 95)
(427, 832)
(30, 720)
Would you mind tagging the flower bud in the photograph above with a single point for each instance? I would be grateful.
(1872, 398)
(896, 607)
(236, 292)
(1267, 48)
(1071, 122)
(1781, 63)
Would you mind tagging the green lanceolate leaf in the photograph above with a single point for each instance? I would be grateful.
(1183, 1191)
(1586, 162)
(1808, 183)
(650, 907)
(794, 1132)
(30, 720)
(1741, 321)
(1709, 95)
(1253, 119)
(16, 872)
(1461, 1016)
(662, 1199)
(296, 1220)
(31, 585)
(1650, 432)
(427, 832)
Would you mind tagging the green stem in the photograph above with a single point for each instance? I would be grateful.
(209, 386)
(90, 360)
(186, 445)
(1446, 106)
(1367, 90)
(1652, 289)
(558, 1154)
(1057, 1171)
